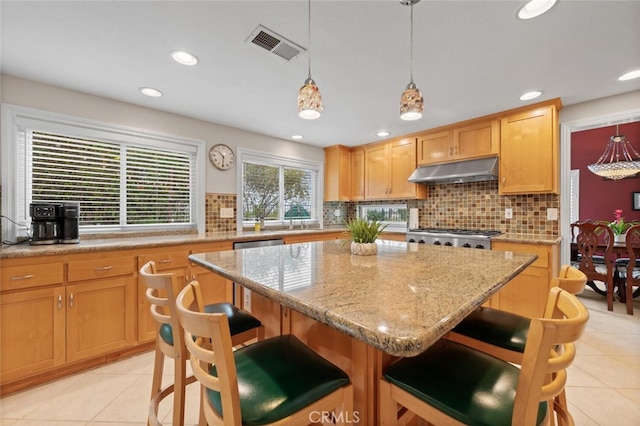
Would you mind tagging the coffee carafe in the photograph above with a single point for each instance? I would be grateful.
(45, 228)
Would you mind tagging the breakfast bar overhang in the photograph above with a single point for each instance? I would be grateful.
(362, 312)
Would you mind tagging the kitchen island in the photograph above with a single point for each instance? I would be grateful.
(362, 312)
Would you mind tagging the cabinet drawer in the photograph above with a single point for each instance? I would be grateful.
(167, 260)
(80, 270)
(18, 277)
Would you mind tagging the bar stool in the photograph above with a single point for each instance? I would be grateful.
(161, 291)
(451, 383)
(274, 381)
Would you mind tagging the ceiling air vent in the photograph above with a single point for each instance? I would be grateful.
(274, 43)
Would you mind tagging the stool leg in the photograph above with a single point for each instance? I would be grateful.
(179, 385)
(158, 369)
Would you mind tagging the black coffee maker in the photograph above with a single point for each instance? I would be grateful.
(53, 223)
(45, 227)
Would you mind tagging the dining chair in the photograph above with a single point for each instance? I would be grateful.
(629, 270)
(162, 289)
(594, 242)
(454, 384)
(279, 380)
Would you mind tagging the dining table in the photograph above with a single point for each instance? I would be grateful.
(363, 312)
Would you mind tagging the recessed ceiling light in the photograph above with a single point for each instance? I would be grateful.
(630, 75)
(535, 8)
(150, 91)
(383, 133)
(184, 58)
(296, 137)
(530, 95)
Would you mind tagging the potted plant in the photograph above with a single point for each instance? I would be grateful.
(619, 226)
(363, 235)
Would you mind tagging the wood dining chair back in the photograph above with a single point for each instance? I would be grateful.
(274, 381)
(453, 384)
(162, 289)
(631, 277)
(594, 242)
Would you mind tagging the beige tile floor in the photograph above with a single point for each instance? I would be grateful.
(603, 387)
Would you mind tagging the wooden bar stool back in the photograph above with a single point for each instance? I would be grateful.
(274, 381)
(162, 289)
(454, 384)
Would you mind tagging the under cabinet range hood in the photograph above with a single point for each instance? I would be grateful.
(479, 170)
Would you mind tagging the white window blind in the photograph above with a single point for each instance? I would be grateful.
(124, 179)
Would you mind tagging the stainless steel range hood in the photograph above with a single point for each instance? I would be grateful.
(483, 169)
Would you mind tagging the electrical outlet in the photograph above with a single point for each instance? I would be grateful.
(226, 213)
(552, 214)
(337, 213)
(508, 213)
(246, 303)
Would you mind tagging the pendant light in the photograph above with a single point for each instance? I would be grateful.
(619, 159)
(411, 102)
(309, 97)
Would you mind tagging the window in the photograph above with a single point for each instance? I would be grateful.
(395, 216)
(125, 180)
(279, 190)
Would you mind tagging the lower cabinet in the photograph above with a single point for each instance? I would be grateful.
(527, 293)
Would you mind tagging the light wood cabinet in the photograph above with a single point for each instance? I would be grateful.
(32, 331)
(357, 174)
(49, 320)
(337, 173)
(529, 151)
(527, 293)
(462, 141)
(387, 170)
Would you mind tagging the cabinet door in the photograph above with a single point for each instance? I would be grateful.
(402, 156)
(376, 172)
(357, 174)
(435, 147)
(337, 164)
(529, 152)
(215, 288)
(477, 140)
(32, 332)
(100, 317)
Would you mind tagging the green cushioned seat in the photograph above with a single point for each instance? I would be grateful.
(468, 385)
(277, 377)
(499, 328)
(239, 320)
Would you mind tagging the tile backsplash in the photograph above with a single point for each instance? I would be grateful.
(474, 205)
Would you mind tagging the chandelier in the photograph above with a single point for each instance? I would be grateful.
(619, 159)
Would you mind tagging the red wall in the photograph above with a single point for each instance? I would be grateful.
(599, 197)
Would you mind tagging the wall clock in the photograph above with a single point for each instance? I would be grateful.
(221, 156)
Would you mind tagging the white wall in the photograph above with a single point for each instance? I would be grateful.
(31, 94)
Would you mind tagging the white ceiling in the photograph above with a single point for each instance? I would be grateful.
(471, 58)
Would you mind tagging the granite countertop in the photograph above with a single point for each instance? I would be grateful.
(399, 301)
(88, 245)
(528, 238)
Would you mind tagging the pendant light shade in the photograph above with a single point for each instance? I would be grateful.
(309, 97)
(411, 102)
(619, 159)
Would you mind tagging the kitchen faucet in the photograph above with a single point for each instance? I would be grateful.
(298, 206)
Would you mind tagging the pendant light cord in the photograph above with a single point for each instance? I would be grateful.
(309, 38)
(411, 54)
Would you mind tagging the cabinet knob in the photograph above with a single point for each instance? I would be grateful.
(21, 277)
(103, 268)
(165, 261)
(71, 300)
(59, 301)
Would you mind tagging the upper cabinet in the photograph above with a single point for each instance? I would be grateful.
(387, 169)
(357, 174)
(529, 151)
(337, 171)
(459, 142)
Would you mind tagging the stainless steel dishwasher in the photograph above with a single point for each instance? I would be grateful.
(242, 296)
